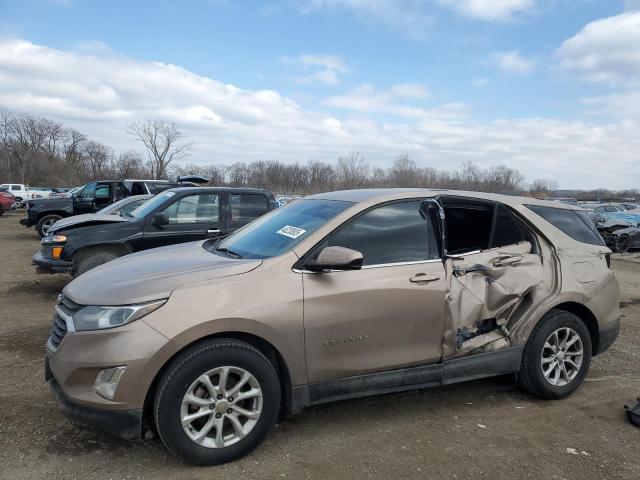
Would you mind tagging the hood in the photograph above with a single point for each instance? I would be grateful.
(153, 274)
(85, 220)
(57, 203)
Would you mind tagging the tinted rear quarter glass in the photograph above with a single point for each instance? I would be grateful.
(574, 223)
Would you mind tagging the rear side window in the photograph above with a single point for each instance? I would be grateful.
(468, 227)
(507, 231)
(393, 233)
(246, 208)
(574, 223)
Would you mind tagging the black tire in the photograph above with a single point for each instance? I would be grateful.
(188, 367)
(1, 209)
(622, 243)
(93, 259)
(45, 222)
(532, 376)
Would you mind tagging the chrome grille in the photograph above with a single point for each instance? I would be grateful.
(65, 309)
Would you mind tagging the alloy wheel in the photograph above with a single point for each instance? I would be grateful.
(561, 357)
(221, 407)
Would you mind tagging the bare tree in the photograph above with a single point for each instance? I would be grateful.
(541, 187)
(164, 142)
(353, 171)
(404, 172)
(96, 156)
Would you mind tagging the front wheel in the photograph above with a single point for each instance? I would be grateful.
(217, 402)
(622, 243)
(557, 356)
(45, 223)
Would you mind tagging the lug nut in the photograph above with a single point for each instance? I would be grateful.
(229, 410)
(219, 396)
(218, 415)
(230, 399)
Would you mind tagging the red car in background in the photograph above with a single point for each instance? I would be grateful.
(7, 202)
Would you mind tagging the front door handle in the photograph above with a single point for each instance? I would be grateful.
(213, 230)
(424, 278)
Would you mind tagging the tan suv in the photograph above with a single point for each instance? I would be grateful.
(334, 296)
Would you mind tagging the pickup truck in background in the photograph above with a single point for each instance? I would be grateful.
(22, 193)
(94, 196)
(174, 216)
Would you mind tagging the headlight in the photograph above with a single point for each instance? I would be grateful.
(54, 239)
(94, 317)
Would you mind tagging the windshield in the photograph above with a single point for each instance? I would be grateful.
(151, 204)
(281, 230)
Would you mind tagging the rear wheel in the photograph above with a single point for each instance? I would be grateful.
(45, 223)
(217, 402)
(557, 356)
(93, 259)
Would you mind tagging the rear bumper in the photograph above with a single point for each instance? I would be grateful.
(123, 423)
(50, 265)
(608, 337)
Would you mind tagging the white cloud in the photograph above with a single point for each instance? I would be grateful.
(605, 51)
(327, 69)
(632, 4)
(415, 18)
(101, 94)
(412, 18)
(366, 99)
(480, 82)
(625, 104)
(493, 10)
(513, 62)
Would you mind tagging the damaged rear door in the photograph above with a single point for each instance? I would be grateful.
(495, 274)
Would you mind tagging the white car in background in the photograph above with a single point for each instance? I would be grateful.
(22, 193)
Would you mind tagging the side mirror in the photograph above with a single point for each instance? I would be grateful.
(160, 219)
(335, 258)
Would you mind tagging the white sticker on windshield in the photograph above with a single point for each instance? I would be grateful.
(291, 232)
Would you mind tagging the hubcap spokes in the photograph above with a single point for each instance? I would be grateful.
(561, 357)
(221, 407)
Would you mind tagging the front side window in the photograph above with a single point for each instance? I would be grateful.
(88, 192)
(198, 208)
(574, 223)
(246, 208)
(395, 233)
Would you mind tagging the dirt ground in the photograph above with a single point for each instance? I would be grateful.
(483, 429)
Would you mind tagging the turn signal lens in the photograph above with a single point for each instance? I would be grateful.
(56, 251)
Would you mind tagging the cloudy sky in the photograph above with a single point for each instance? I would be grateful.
(550, 87)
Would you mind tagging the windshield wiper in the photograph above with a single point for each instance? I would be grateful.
(231, 253)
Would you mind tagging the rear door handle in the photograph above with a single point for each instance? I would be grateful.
(506, 260)
(424, 278)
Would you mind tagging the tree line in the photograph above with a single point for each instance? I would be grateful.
(39, 151)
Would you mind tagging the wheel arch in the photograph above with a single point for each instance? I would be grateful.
(587, 316)
(59, 213)
(262, 345)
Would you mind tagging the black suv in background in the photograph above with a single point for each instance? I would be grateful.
(174, 216)
(93, 197)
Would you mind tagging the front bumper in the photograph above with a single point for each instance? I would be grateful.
(123, 423)
(28, 221)
(50, 265)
